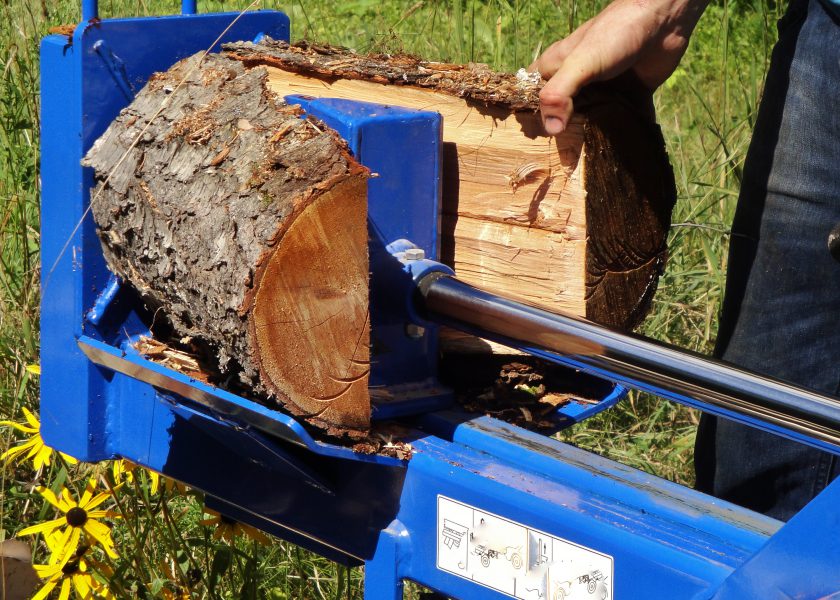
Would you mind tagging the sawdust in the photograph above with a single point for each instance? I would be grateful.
(65, 30)
(385, 439)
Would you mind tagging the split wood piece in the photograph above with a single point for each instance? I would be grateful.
(246, 226)
(575, 224)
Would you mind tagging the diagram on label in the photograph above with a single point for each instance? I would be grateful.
(517, 560)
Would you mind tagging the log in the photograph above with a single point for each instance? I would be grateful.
(245, 226)
(576, 223)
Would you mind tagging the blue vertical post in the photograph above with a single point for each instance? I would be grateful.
(90, 10)
(189, 7)
(382, 578)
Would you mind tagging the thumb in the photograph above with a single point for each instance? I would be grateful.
(556, 97)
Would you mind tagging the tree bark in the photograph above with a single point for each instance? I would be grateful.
(246, 226)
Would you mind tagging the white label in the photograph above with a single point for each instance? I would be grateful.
(517, 560)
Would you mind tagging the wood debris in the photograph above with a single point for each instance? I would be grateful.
(183, 362)
(524, 394)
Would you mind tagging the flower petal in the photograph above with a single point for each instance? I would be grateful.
(96, 501)
(65, 590)
(103, 514)
(42, 458)
(34, 369)
(13, 453)
(69, 459)
(57, 543)
(255, 534)
(65, 500)
(46, 527)
(102, 534)
(90, 488)
(154, 479)
(31, 419)
(64, 546)
(45, 591)
(46, 571)
(36, 447)
(19, 427)
(82, 584)
(48, 495)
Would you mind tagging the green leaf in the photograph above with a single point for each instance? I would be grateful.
(156, 586)
(222, 560)
(248, 591)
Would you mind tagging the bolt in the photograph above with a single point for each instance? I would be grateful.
(415, 332)
(415, 254)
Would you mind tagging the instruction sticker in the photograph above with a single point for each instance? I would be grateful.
(517, 560)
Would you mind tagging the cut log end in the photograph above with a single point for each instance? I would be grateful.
(310, 315)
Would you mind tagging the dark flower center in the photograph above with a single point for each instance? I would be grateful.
(71, 567)
(76, 517)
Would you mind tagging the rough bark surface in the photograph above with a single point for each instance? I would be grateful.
(577, 223)
(228, 215)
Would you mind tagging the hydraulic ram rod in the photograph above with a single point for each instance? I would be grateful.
(634, 361)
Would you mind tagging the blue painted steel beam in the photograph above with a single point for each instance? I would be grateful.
(801, 561)
(90, 10)
(403, 204)
(666, 541)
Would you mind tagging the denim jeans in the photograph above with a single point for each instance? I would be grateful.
(781, 312)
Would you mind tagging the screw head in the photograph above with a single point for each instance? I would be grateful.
(415, 254)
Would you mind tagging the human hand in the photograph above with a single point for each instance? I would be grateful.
(646, 37)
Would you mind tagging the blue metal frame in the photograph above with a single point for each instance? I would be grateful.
(403, 204)
(100, 399)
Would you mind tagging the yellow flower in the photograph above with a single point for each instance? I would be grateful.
(72, 572)
(227, 529)
(123, 470)
(34, 447)
(78, 517)
(34, 369)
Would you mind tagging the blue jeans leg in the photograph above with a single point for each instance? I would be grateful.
(782, 306)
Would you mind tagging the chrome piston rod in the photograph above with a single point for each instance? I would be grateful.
(680, 375)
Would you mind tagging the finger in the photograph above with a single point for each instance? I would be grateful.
(550, 60)
(556, 104)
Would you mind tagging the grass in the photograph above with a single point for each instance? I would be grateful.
(706, 111)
